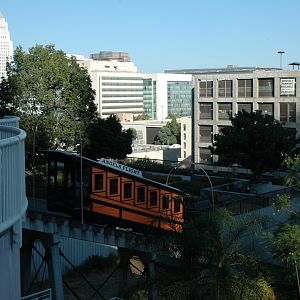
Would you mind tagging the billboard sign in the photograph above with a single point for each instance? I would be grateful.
(287, 87)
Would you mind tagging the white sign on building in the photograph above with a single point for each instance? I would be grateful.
(287, 87)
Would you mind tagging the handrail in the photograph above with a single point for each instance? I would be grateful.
(13, 201)
(10, 121)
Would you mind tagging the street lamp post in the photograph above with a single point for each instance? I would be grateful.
(211, 186)
(280, 54)
(162, 113)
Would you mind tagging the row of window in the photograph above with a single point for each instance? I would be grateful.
(122, 84)
(245, 88)
(287, 110)
(123, 107)
(122, 90)
(121, 78)
(121, 95)
(123, 101)
(141, 193)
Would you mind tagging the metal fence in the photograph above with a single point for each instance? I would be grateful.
(239, 203)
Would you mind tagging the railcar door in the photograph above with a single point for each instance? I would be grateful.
(60, 183)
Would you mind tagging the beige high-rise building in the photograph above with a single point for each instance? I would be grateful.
(6, 46)
(118, 85)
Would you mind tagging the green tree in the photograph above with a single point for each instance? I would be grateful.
(108, 139)
(141, 117)
(134, 133)
(255, 141)
(213, 263)
(286, 239)
(41, 79)
(169, 134)
(286, 248)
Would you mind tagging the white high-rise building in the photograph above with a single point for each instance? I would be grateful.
(6, 46)
(118, 85)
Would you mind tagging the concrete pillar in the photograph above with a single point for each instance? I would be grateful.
(53, 260)
(152, 289)
(123, 272)
(26, 252)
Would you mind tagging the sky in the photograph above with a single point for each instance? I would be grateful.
(163, 34)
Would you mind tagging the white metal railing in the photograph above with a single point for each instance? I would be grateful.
(13, 201)
(42, 295)
(10, 121)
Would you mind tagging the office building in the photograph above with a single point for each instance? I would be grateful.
(220, 93)
(166, 94)
(6, 46)
(118, 85)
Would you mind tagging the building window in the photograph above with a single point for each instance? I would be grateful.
(266, 87)
(266, 108)
(245, 88)
(99, 182)
(288, 87)
(184, 136)
(180, 98)
(177, 201)
(288, 112)
(224, 111)
(113, 186)
(153, 198)
(205, 156)
(225, 88)
(248, 107)
(206, 133)
(206, 111)
(184, 145)
(184, 154)
(184, 127)
(127, 190)
(141, 194)
(165, 203)
(205, 89)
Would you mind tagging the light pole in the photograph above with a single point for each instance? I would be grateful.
(55, 106)
(184, 162)
(162, 113)
(280, 54)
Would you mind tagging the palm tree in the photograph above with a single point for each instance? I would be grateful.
(214, 263)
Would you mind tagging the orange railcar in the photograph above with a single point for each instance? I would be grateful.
(111, 193)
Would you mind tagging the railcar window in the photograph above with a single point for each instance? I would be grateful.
(113, 186)
(165, 201)
(99, 182)
(153, 198)
(127, 190)
(141, 195)
(176, 204)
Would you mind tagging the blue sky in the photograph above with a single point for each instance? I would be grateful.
(163, 34)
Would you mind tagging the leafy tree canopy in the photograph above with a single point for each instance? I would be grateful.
(107, 139)
(41, 79)
(134, 133)
(169, 134)
(257, 142)
(143, 116)
(286, 239)
(213, 264)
